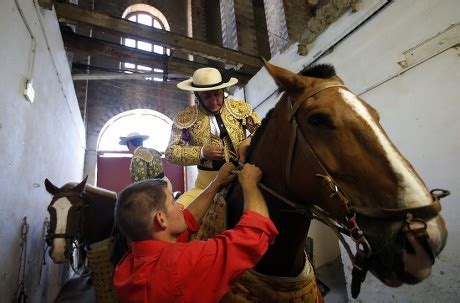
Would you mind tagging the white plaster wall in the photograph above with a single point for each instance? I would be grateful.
(39, 140)
(418, 108)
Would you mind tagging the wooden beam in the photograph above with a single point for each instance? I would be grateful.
(46, 4)
(122, 76)
(73, 14)
(90, 47)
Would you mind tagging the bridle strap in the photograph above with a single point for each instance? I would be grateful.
(322, 86)
(78, 234)
(293, 108)
(427, 211)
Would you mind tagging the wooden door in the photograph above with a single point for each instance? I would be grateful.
(113, 173)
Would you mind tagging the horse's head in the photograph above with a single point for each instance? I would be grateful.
(66, 216)
(337, 154)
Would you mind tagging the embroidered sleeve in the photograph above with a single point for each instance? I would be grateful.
(243, 112)
(179, 151)
(252, 122)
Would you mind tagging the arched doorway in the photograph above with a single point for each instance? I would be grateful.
(113, 159)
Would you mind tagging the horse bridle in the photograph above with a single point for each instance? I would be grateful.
(415, 218)
(78, 234)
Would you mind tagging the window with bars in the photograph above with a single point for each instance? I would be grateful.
(149, 20)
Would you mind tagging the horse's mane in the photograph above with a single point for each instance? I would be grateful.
(93, 189)
(101, 191)
(323, 71)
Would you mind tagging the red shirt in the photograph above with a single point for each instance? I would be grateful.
(197, 271)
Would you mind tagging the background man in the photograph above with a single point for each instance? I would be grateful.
(146, 162)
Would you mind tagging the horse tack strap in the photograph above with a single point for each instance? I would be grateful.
(323, 86)
(65, 195)
(427, 211)
(359, 271)
(314, 91)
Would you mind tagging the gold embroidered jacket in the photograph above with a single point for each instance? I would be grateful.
(145, 164)
(191, 131)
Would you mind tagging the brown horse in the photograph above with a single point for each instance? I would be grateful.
(323, 150)
(78, 213)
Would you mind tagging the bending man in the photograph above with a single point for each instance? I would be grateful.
(163, 268)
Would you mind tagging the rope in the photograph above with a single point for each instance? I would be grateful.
(46, 228)
(20, 283)
(46, 225)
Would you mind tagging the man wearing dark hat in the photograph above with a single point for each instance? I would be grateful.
(146, 162)
(212, 131)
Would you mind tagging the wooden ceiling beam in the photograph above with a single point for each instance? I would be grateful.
(91, 46)
(89, 18)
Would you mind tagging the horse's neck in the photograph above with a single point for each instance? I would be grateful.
(98, 217)
(286, 256)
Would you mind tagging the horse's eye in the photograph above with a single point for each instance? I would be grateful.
(320, 120)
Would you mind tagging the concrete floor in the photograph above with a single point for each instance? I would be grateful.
(78, 289)
(333, 276)
(75, 290)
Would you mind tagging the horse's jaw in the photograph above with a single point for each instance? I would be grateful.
(417, 261)
(411, 263)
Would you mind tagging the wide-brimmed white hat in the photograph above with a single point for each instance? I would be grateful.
(131, 136)
(205, 79)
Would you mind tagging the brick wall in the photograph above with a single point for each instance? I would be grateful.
(103, 99)
(246, 27)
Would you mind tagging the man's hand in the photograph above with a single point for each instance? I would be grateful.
(250, 175)
(225, 174)
(200, 205)
(213, 152)
(243, 149)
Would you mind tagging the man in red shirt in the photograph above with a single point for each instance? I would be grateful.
(162, 266)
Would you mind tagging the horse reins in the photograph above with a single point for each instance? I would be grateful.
(415, 218)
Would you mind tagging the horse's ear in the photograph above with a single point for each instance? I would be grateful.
(80, 187)
(285, 79)
(50, 187)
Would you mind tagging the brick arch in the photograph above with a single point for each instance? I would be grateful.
(141, 7)
(145, 114)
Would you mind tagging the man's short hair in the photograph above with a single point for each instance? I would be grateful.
(135, 205)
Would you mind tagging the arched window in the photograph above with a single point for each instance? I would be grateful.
(113, 159)
(144, 121)
(150, 16)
